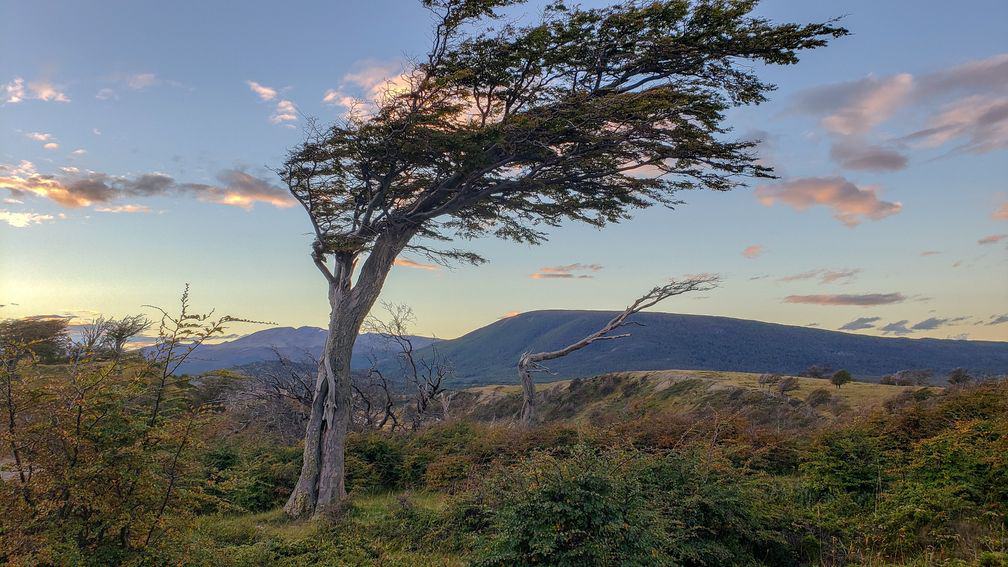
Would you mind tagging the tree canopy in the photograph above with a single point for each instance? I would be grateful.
(509, 129)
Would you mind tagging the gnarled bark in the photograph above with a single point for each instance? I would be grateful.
(323, 471)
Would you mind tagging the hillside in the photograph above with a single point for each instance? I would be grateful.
(697, 342)
(660, 341)
(627, 396)
(297, 344)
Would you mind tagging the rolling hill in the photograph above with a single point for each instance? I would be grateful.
(698, 342)
(658, 341)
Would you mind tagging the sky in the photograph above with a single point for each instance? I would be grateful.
(137, 137)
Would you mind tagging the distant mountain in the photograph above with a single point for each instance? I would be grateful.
(697, 342)
(299, 345)
(660, 341)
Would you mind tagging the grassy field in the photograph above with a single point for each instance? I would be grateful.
(363, 534)
(675, 391)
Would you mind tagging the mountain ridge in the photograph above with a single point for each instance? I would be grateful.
(658, 341)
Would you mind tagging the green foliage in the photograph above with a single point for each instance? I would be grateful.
(584, 509)
(840, 377)
(254, 478)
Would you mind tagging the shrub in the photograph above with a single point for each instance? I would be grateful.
(579, 510)
(819, 397)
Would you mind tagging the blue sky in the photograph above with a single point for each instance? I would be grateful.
(890, 144)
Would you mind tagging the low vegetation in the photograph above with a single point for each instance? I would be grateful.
(654, 468)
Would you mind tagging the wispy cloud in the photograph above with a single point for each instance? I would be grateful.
(861, 323)
(933, 323)
(1001, 213)
(855, 107)
(23, 220)
(992, 239)
(867, 157)
(850, 204)
(753, 251)
(997, 319)
(569, 271)
(825, 276)
(283, 112)
(362, 89)
(17, 91)
(966, 106)
(930, 253)
(861, 299)
(897, 328)
(124, 209)
(265, 93)
(235, 187)
(509, 315)
(407, 263)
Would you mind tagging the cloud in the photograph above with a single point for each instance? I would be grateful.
(897, 328)
(285, 112)
(17, 91)
(850, 204)
(235, 187)
(407, 263)
(141, 81)
(1001, 213)
(39, 136)
(992, 239)
(862, 299)
(855, 107)
(933, 323)
(845, 275)
(23, 220)
(78, 152)
(930, 253)
(265, 93)
(51, 146)
(860, 323)
(998, 319)
(568, 271)
(124, 209)
(981, 122)
(106, 94)
(362, 89)
(964, 102)
(753, 251)
(867, 157)
(509, 315)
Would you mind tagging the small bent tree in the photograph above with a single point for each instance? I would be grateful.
(840, 377)
(530, 362)
(505, 130)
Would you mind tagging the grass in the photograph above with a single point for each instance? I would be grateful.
(677, 391)
(366, 535)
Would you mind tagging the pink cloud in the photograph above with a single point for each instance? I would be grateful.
(569, 271)
(855, 107)
(407, 263)
(992, 239)
(753, 251)
(850, 204)
(861, 299)
(1001, 213)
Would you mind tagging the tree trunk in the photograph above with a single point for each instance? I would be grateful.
(528, 390)
(322, 483)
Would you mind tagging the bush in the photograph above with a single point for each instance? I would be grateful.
(584, 509)
(819, 397)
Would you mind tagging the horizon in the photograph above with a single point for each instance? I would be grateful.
(889, 217)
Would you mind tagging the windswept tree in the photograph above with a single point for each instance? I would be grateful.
(531, 362)
(506, 130)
